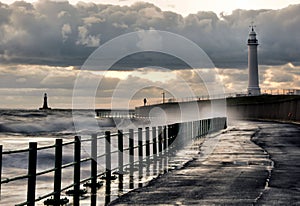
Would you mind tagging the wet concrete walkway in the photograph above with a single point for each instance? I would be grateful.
(282, 142)
(238, 172)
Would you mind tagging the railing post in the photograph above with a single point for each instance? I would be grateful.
(190, 131)
(171, 139)
(160, 147)
(201, 128)
(205, 127)
(1, 148)
(94, 147)
(121, 160)
(160, 139)
(140, 142)
(225, 123)
(57, 172)
(165, 139)
(147, 142)
(165, 146)
(183, 132)
(169, 127)
(147, 151)
(108, 166)
(131, 158)
(76, 175)
(108, 154)
(140, 150)
(31, 185)
(154, 141)
(194, 123)
(195, 130)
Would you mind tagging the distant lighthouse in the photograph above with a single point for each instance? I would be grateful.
(253, 80)
(45, 104)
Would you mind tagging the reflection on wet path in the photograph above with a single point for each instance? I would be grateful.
(238, 172)
(138, 171)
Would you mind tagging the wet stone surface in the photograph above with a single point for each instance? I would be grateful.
(253, 163)
(282, 142)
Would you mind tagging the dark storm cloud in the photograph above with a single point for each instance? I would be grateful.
(58, 33)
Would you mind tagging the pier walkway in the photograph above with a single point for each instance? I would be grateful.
(239, 172)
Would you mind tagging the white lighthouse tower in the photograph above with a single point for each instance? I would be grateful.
(253, 80)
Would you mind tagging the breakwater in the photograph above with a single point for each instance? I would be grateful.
(265, 107)
(125, 156)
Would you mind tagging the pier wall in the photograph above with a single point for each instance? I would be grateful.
(263, 107)
(172, 112)
(268, 109)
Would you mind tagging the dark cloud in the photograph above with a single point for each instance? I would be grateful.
(58, 33)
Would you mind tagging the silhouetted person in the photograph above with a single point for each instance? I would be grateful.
(145, 101)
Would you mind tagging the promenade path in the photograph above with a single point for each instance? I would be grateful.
(238, 172)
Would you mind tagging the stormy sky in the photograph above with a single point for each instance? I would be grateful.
(43, 44)
(58, 33)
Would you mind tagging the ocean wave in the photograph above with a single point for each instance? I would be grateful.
(23, 113)
(36, 127)
(51, 123)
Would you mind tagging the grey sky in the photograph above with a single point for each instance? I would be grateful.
(58, 33)
(43, 44)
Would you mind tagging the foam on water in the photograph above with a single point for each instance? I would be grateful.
(18, 128)
(34, 122)
(43, 123)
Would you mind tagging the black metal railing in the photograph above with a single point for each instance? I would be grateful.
(142, 148)
(264, 91)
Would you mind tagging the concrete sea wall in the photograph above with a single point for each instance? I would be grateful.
(268, 108)
(183, 111)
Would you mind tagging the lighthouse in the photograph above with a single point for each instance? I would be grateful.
(253, 80)
(45, 104)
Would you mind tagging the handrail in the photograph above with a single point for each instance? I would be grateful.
(7, 180)
(264, 91)
(15, 151)
(161, 139)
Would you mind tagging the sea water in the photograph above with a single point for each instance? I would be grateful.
(19, 127)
